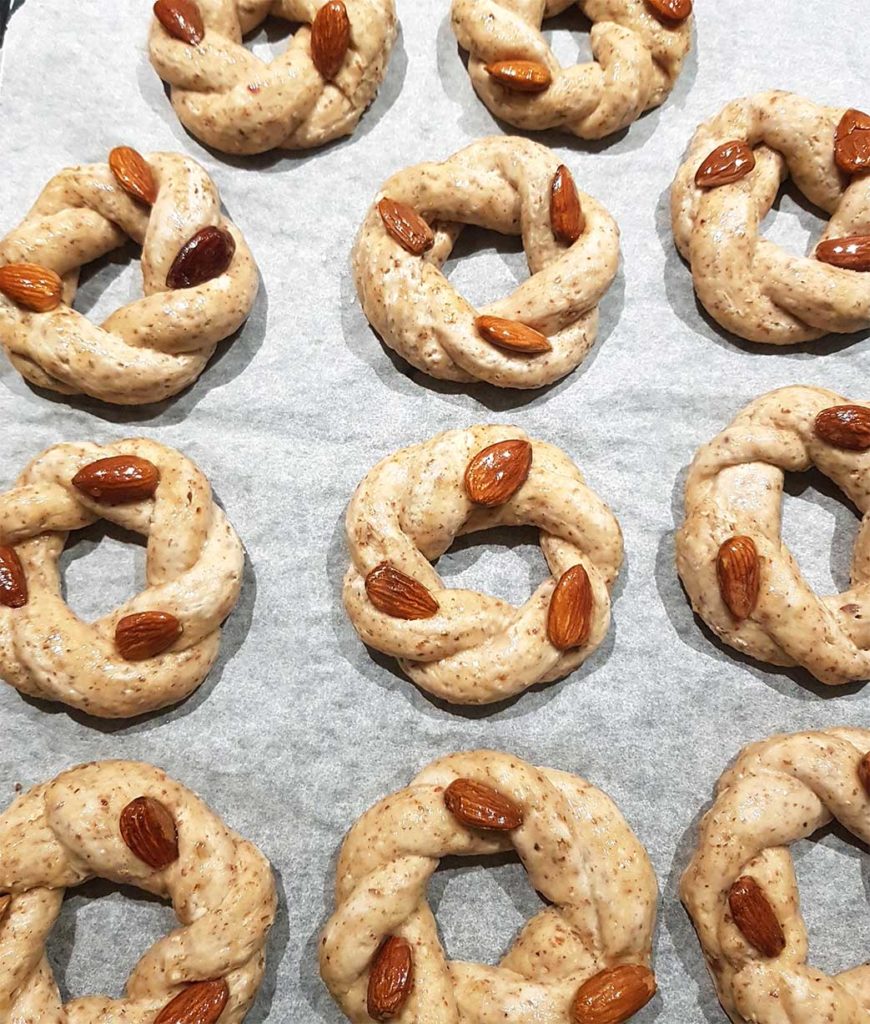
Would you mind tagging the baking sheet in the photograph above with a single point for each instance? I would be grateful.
(299, 729)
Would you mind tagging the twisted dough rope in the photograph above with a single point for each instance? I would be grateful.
(505, 185)
(778, 791)
(64, 832)
(230, 99)
(750, 286)
(578, 852)
(152, 347)
(194, 573)
(473, 648)
(734, 490)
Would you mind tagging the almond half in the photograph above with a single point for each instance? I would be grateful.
(864, 772)
(739, 574)
(200, 1003)
(844, 426)
(406, 226)
(852, 253)
(34, 287)
(144, 635)
(852, 142)
(725, 165)
(203, 257)
(330, 38)
(476, 805)
(613, 995)
(496, 473)
(395, 593)
(13, 582)
(182, 19)
(566, 214)
(133, 173)
(671, 10)
(148, 830)
(520, 75)
(569, 618)
(391, 979)
(117, 480)
(755, 917)
(512, 335)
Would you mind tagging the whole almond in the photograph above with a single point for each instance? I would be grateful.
(406, 226)
(725, 165)
(738, 572)
(852, 142)
(512, 335)
(148, 830)
(613, 995)
(200, 1003)
(395, 593)
(852, 253)
(133, 174)
(203, 257)
(864, 772)
(146, 634)
(520, 75)
(181, 19)
(671, 10)
(496, 473)
(118, 480)
(844, 426)
(391, 979)
(476, 805)
(755, 917)
(13, 582)
(34, 287)
(569, 617)
(330, 38)
(566, 214)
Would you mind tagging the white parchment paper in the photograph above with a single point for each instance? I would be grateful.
(298, 729)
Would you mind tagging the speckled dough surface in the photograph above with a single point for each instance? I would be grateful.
(637, 59)
(64, 832)
(502, 184)
(232, 100)
(194, 572)
(778, 791)
(155, 346)
(752, 287)
(578, 852)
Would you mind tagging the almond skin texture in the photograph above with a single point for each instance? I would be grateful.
(755, 918)
(520, 75)
(406, 226)
(566, 215)
(330, 38)
(478, 806)
(118, 480)
(569, 618)
(673, 11)
(146, 634)
(148, 829)
(725, 165)
(13, 582)
(34, 287)
(133, 174)
(845, 426)
(852, 142)
(852, 253)
(737, 569)
(5, 900)
(200, 1003)
(394, 593)
(203, 257)
(391, 979)
(181, 19)
(613, 995)
(864, 773)
(495, 474)
(511, 335)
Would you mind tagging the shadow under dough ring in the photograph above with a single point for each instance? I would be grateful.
(740, 887)
(741, 578)
(727, 185)
(312, 93)
(130, 824)
(532, 337)
(158, 646)
(199, 279)
(582, 959)
(460, 645)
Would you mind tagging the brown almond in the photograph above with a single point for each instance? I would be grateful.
(200, 1003)
(755, 917)
(613, 995)
(671, 10)
(520, 75)
(852, 142)
(118, 480)
(395, 593)
(725, 165)
(512, 335)
(864, 772)
(391, 979)
(738, 572)
(13, 582)
(203, 257)
(478, 806)
(133, 173)
(845, 426)
(148, 830)
(406, 226)
(181, 19)
(566, 214)
(496, 473)
(852, 253)
(146, 634)
(330, 38)
(569, 618)
(31, 286)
